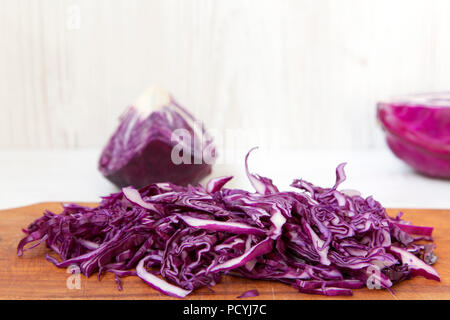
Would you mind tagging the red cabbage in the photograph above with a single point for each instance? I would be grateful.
(418, 131)
(416, 266)
(140, 150)
(180, 238)
(249, 294)
(158, 283)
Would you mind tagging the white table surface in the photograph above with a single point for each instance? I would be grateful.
(32, 176)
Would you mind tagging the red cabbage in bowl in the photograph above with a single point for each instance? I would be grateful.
(418, 131)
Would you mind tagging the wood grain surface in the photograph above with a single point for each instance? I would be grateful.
(32, 277)
(69, 65)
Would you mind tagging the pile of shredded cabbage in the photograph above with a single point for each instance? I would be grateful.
(177, 239)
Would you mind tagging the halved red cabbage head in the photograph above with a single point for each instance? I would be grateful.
(418, 131)
(177, 238)
(140, 150)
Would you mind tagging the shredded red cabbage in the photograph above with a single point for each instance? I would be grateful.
(178, 239)
(249, 294)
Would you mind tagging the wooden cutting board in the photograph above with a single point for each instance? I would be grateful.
(33, 277)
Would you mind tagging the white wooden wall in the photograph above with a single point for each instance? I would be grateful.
(306, 73)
